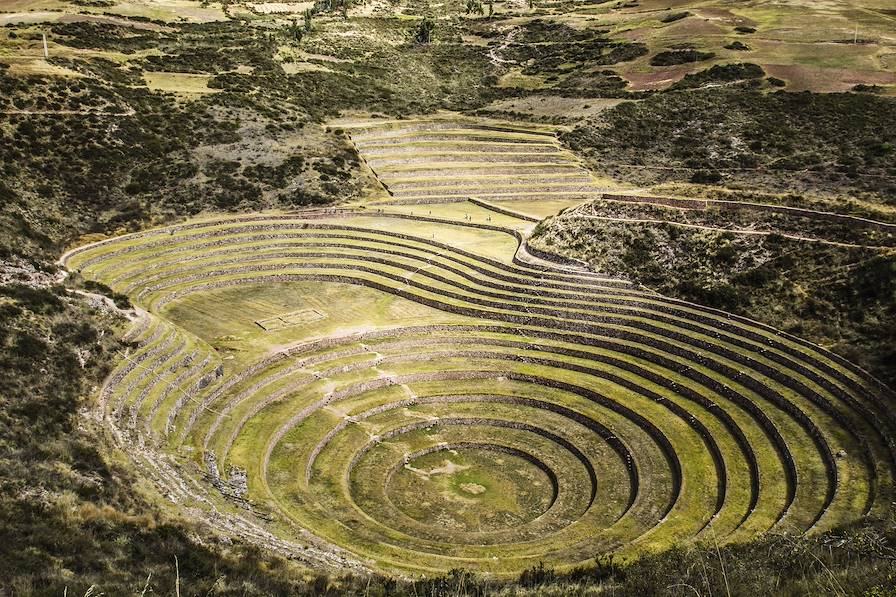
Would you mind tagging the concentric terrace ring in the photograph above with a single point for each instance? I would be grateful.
(535, 413)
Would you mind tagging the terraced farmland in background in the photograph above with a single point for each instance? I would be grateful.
(448, 160)
(421, 395)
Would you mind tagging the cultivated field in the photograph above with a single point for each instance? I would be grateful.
(403, 386)
(451, 160)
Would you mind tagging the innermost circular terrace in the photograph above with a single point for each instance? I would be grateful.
(473, 487)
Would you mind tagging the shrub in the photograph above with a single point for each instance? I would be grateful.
(722, 74)
(425, 29)
(36, 300)
(676, 16)
(706, 177)
(675, 57)
(863, 88)
(738, 46)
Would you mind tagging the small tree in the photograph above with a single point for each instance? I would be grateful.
(424, 31)
(474, 6)
(308, 20)
(296, 31)
(345, 6)
(491, 8)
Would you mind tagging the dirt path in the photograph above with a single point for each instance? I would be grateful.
(764, 169)
(494, 54)
(731, 230)
(698, 204)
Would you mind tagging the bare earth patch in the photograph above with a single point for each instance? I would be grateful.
(40, 67)
(641, 81)
(281, 7)
(186, 83)
(801, 78)
(473, 488)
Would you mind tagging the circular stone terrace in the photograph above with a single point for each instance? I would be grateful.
(403, 387)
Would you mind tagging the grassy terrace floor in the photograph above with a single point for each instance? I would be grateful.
(404, 387)
(443, 160)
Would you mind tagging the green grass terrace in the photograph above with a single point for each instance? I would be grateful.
(407, 388)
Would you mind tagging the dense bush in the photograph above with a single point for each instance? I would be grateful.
(547, 47)
(829, 142)
(104, 36)
(674, 57)
(738, 46)
(719, 73)
(675, 16)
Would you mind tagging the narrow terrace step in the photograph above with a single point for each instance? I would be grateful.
(441, 147)
(485, 180)
(526, 158)
(425, 191)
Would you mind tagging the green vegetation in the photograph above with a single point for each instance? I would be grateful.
(328, 361)
(730, 73)
(425, 31)
(635, 395)
(835, 288)
(673, 57)
(738, 45)
(675, 16)
(317, 405)
(829, 144)
(71, 516)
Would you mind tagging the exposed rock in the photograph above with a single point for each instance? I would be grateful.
(19, 271)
